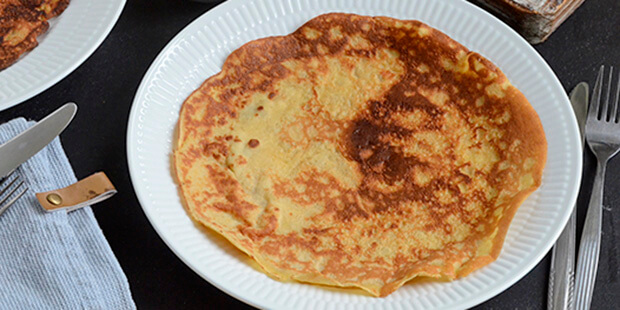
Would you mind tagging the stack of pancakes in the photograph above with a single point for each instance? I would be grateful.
(21, 22)
(359, 152)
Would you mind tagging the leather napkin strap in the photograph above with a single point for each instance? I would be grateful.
(88, 191)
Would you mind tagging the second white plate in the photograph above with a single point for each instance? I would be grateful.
(198, 52)
(71, 39)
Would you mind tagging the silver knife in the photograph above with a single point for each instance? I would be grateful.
(561, 275)
(26, 144)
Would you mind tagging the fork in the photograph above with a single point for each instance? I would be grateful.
(8, 190)
(603, 136)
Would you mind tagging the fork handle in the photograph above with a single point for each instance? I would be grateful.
(590, 245)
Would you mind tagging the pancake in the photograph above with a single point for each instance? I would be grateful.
(21, 22)
(359, 152)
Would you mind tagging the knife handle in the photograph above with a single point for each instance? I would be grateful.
(561, 275)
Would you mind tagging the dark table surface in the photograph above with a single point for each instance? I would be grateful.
(104, 87)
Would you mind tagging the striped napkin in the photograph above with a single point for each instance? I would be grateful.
(54, 260)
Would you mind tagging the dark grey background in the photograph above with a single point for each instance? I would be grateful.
(104, 87)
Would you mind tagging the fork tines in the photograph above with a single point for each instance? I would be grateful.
(12, 187)
(606, 112)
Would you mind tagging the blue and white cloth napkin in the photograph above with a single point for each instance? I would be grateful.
(54, 260)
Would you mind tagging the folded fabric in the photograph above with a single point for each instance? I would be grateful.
(54, 260)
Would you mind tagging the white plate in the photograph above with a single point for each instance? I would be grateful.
(72, 37)
(198, 52)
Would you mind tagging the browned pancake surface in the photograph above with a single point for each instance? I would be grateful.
(52, 8)
(359, 151)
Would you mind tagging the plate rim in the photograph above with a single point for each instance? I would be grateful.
(223, 7)
(52, 80)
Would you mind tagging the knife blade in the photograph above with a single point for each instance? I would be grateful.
(562, 271)
(26, 144)
(579, 101)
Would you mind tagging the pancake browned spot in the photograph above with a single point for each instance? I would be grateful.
(359, 152)
(51, 8)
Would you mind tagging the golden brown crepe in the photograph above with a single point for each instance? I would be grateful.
(21, 22)
(359, 152)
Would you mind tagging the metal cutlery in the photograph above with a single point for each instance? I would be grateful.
(25, 145)
(9, 187)
(603, 136)
(562, 271)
